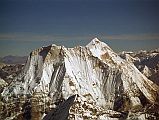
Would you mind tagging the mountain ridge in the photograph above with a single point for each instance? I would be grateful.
(12, 59)
(95, 72)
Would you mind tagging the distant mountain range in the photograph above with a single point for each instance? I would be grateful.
(10, 59)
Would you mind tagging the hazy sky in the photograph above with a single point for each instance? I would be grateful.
(123, 24)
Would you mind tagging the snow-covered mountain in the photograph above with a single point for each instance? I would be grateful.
(104, 82)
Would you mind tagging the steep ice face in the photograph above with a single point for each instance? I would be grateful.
(95, 72)
(130, 75)
(86, 75)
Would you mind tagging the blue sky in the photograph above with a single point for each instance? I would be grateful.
(123, 24)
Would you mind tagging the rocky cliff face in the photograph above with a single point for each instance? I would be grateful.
(106, 84)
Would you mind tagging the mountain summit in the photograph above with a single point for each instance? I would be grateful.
(102, 80)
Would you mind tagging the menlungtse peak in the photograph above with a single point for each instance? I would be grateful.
(102, 80)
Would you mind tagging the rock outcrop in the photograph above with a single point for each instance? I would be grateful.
(62, 111)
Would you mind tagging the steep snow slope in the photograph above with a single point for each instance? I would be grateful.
(95, 72)
(130, 75)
